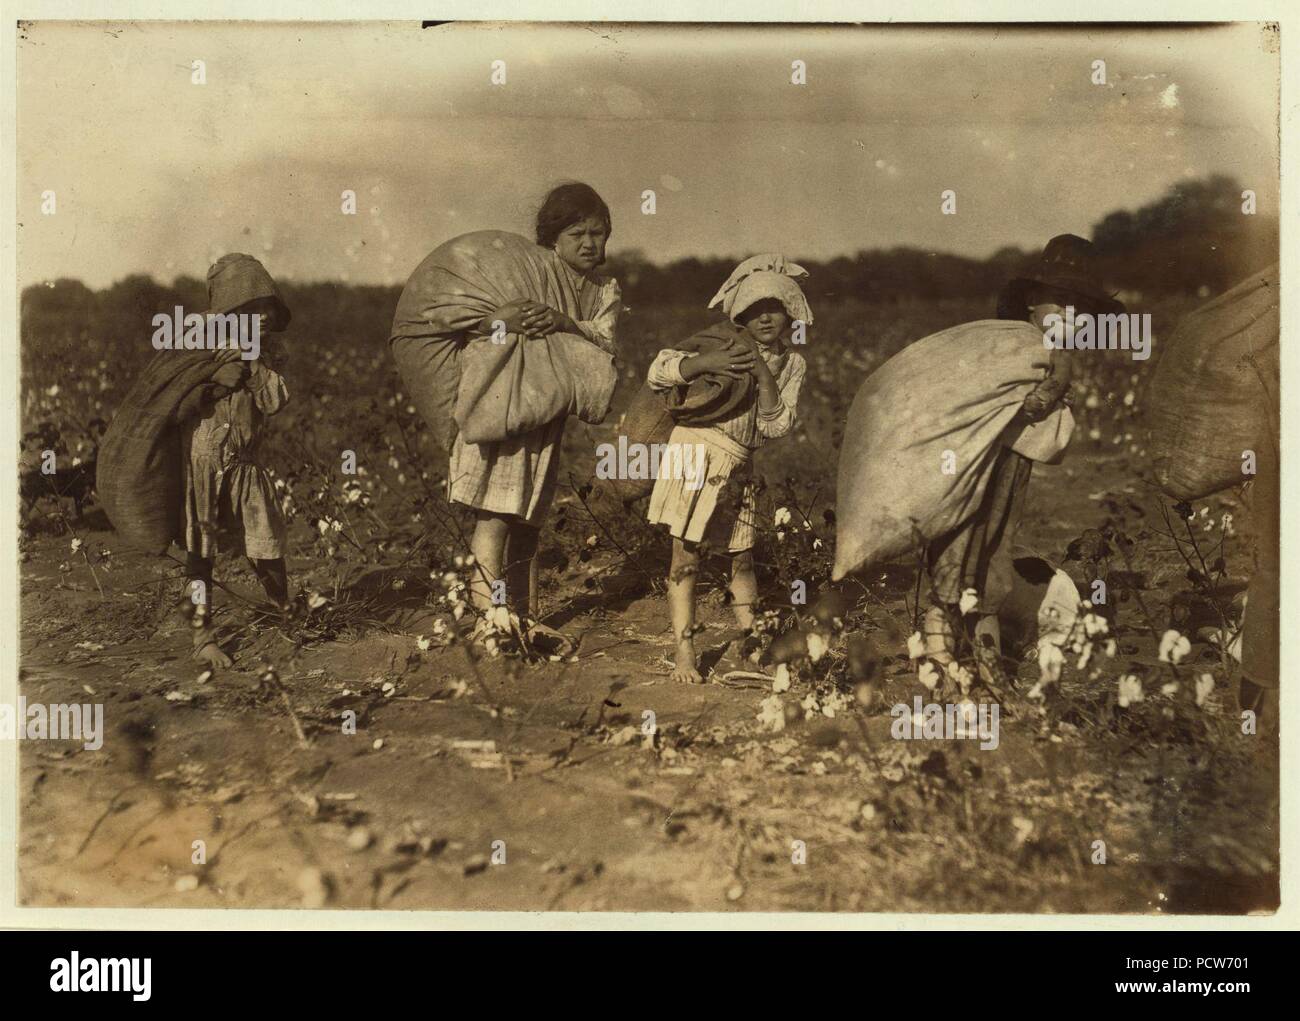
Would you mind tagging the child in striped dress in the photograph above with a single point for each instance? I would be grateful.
(760, 296)
(511, 483)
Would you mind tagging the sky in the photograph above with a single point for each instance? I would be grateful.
(155, 174)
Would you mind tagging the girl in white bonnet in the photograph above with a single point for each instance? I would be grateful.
(762, 302)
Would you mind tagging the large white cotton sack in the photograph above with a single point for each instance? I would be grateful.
(923, 431)
(1214, 393)
(492, 388)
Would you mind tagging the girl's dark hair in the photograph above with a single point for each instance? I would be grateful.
(566, 205)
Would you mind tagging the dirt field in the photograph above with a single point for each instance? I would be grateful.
(480, 782)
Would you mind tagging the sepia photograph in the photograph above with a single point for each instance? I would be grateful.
(712, 469)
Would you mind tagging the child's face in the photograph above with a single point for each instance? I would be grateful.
(264, 309)
(582, 245)
(765, 321)
(1038, 314)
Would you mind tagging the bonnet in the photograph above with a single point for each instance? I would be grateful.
(764, 276)
(237, 279)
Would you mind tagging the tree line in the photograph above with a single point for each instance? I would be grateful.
(1195, 239)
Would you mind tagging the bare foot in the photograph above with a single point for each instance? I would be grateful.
(211, 654)
(685, 670)
(548, 641)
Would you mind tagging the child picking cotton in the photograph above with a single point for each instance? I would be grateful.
(976, 558)
(511, 483)
(230, 504)
(763, 303)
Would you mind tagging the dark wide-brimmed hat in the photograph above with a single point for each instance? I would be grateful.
(236, 279)
(1069, 264)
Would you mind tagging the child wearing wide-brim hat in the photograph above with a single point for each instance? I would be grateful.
(978, 554)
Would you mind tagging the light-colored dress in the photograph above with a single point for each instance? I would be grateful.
(230, 500)
(726, 450)
(517, 476)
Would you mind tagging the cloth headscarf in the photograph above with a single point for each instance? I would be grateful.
(237, 279)
(764, 276)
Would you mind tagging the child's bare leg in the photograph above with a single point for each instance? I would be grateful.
(988, 657)
(198, 592)
(937, 634)
(681, 607)
(521, 567)
(274, 576)
(198, 585)
(489, 548)
(744, 588)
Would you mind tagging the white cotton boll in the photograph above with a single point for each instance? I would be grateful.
(1174, 647)
(771, 714)
(1094, 625)
(1130, 690)
(1050, 661)
(969, 600)
(1204, 685)
(810, 706)
(915, 645)
(817, 646)
(964, 678)
(781, 681)
(928, 675)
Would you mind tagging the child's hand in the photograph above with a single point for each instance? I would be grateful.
(540, 320)
(527, 317)
(1044, 399)
(732, 359)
